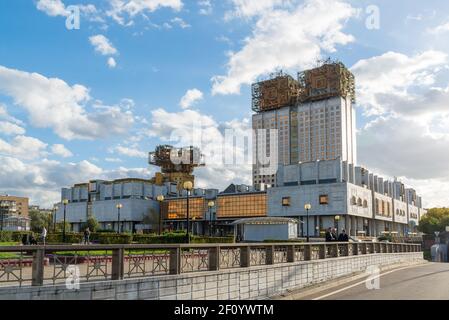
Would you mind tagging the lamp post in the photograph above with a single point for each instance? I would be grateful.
(307, 206)
(160, 198)
(54, 218)
(188, 185)
(119, 206)
(210, 204)
(337, 219)
(64, 202)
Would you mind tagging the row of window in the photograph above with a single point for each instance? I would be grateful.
(323, 199)
(359, 202)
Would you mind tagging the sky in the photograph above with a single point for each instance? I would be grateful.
(89, 100)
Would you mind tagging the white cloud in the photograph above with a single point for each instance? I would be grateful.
(123, 11)
(61, 150)
(52, 103)
(52, 7)
(180, 22)
(102, 45)
(281, 39)
(407, 132)
(205, 7)
(190, 98)
(112, 63)
(9, 128)
(393, 76)
(129, 152)
(112, 160)
(23, 147)
(442, 28)
(252, 8)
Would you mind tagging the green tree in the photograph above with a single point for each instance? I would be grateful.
(40, 219)
(91, 223)
(60, 226)
(436, 219)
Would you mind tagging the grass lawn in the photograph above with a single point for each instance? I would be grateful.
(9, 243)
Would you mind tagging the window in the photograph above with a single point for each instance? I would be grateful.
(286, 201)
(324, 199)
(359, 202)
(353, 200)
(365, 204)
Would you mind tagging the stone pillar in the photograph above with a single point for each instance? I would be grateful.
(38, 268)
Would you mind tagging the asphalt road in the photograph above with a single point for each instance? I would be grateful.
(424, 282)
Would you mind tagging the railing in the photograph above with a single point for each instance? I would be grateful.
(53, 264)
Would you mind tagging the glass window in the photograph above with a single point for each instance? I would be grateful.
(286, 201)
(324, 199)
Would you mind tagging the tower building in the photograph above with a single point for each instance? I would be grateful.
(313, 117)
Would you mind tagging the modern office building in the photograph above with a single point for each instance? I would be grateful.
(101, 199)
(14, 213)
(315, 165)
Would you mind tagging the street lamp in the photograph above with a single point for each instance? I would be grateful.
(56, 208)
(188, 185)
(160, 198)
(119, 206)
(307, 206)
(210, 204)
(64, 202)
(337, 219)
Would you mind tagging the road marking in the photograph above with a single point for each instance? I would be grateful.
(363, 281)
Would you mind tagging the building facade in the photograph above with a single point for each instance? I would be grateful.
(14, 213)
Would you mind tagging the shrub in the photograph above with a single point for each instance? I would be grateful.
(5, 236)
(105, 231)
(156, 239)
(71, 237)
(201, 239)
(111, 238)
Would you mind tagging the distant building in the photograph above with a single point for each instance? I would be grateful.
(14, 213)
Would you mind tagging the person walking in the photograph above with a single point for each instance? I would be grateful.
(86, 236)
(44, 235)
(343, 236)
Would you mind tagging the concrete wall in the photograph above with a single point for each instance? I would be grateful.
(237, 284)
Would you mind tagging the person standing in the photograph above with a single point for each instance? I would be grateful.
(343, 236)
(86, 236)
(330, 235)
(44, 235)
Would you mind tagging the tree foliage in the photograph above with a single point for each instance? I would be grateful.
(436, 219)
(92, 224)
(39, 220)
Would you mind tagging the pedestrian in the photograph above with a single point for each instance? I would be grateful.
(86, 236)
(334, 234)
(32, 239)
(44, 235)
(330, 236)
(343, 236)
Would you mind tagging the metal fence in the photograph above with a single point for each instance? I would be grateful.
(53, 264)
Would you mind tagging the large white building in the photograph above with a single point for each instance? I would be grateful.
(318, 124)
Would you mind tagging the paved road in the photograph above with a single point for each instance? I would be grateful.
(425, 282)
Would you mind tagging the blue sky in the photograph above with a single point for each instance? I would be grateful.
(91, 102)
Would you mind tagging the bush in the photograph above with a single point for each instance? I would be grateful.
(169, 238)
(13, 236)
(111, 238)
(156, 239)
(71, 237)
(201, 239)
(105, 231)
